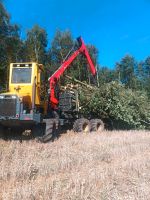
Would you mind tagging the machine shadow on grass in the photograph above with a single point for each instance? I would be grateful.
(28, 135)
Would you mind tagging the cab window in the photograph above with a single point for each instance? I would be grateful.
(21, 75)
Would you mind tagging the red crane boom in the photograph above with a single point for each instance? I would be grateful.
(65, 65)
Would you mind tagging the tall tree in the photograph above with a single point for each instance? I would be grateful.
(10, 43)
(125, 70)
(106, 75)
(146, 74)
(61, 48)
(35, 45)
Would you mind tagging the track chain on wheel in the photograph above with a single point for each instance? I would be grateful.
(51, 130)
(81, 125)
(97, 125)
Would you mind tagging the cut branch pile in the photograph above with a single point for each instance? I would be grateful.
(124, 108)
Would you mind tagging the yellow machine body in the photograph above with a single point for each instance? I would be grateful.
(25, 82)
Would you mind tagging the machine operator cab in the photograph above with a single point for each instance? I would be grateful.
(25, 92)
(25, 82)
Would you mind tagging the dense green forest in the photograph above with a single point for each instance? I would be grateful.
(123, 93)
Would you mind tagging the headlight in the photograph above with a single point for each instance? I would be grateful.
(13, 97)
(1, 97)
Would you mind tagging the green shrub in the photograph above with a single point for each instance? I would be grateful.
(126, 109)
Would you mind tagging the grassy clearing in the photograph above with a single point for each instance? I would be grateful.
(107, 166)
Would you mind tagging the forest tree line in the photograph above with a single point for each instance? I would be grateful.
(133, 74)
(128, 76)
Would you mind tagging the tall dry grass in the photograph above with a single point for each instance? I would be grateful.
(107, 166)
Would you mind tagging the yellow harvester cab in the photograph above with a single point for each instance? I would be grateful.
(25, 82)
(25, 99)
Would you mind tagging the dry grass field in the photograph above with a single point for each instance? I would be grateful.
(107, 166)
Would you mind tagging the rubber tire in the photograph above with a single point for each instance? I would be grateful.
(51, 130)
(97, 125)
(81, 125)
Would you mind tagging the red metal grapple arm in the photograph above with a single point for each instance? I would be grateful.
(65, 65)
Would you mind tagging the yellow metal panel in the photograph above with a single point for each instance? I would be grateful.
(25, 90)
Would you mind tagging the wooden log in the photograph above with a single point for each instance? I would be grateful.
(79, 82)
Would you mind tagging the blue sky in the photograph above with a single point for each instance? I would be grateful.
(115, 27)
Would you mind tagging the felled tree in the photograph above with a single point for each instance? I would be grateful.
(125, 108)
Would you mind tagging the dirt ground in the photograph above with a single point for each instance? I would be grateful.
(98, 166)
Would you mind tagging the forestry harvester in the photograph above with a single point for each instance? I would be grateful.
(28, 106)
